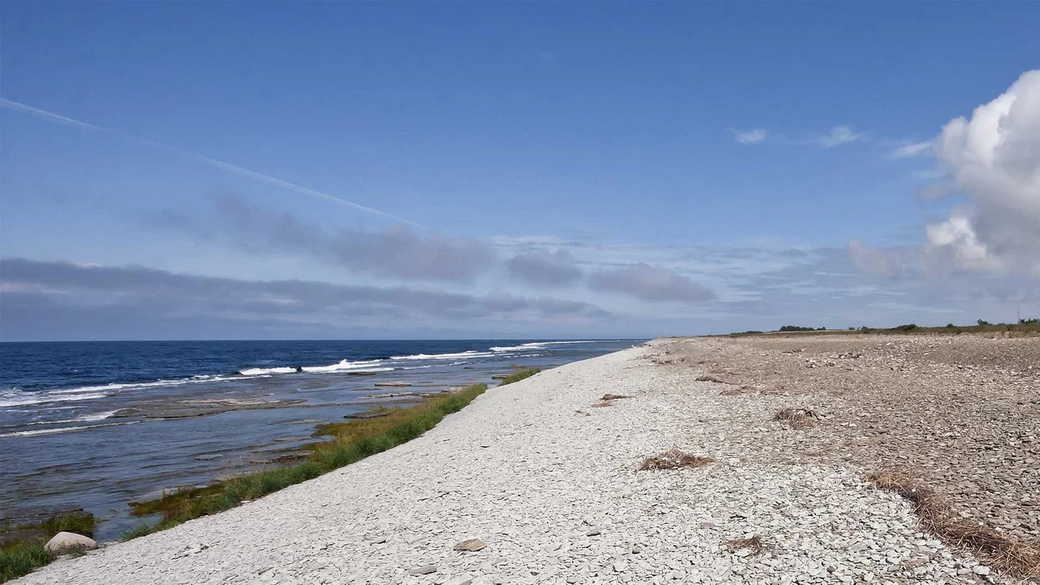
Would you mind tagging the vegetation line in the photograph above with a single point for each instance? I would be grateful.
(1024, 328)
(350, 442)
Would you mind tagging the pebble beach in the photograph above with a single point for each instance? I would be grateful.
(540, 482)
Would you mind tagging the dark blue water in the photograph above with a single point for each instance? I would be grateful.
(96, 425)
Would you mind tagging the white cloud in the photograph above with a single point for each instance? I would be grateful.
(839, 135)
(912, 150)
(751, 136)
(994, 159)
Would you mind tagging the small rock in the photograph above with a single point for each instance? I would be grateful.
(64, 541)
(981, 570)
(422, 570)
(620, 566)
(470, 545)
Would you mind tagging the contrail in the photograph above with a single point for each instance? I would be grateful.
(256, 175)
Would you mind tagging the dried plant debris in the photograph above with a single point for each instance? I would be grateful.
(712, 379)
(1017, 557)
(796, 418)
(751, 544)
(739, 391)
(608, 397)
(674, 459)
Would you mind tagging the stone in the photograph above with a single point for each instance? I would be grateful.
(981, 570)
(470, 545)
(422, 570)
(68, 541)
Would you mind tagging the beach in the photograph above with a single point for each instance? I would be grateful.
(545, 473)
(97, 425)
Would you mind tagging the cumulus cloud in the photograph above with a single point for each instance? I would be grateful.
(754, 136)
(544, 268)
(650, 283)
(839, 135)
(398, 252)
(142, 299)
(912, 150)
(994, 159)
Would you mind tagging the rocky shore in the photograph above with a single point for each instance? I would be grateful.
(540, 481)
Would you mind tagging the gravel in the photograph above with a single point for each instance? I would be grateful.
(550, 486)
(960, 413)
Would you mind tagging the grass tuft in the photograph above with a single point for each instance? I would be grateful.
(1021, 559)
(519, 375)
(20, 558)
(673, 459)
(351, 441)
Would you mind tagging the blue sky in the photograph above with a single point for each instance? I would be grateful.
(671, 167)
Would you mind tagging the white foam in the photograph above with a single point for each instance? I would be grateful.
(342, 365)
(444, 356)
(262, 371)
(366, 365)
(137, 385)
(63, 430)
(19, 398)
(534, 345)
(92, 417)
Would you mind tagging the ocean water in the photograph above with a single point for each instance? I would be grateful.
(96, 425)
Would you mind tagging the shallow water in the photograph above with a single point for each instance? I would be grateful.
(90, 424)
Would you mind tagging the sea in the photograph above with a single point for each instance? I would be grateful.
(96, 425)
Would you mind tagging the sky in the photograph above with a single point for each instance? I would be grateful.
(514, 170)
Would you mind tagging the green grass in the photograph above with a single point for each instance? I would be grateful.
(21, 546)
(19, 558)
(519, 375)
(350, 441)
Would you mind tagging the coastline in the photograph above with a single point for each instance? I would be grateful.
(544, 472)
(112, 423)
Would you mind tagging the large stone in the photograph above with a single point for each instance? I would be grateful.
(69, 541)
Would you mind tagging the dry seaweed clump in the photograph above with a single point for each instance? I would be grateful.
(753, 544)
(709, 379)
(796, 418)
(1016, 557)
(673, 459)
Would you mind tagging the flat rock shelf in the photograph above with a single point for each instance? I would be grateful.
(545, 474)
